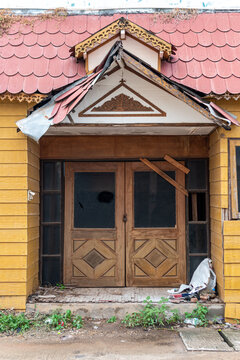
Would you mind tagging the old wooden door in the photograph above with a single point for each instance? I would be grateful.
(124, 225)
(155, 230)
(94, 244)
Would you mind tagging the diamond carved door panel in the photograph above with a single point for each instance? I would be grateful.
(94, 231)
(155, 231)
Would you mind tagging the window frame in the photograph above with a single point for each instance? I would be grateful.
(235, 211)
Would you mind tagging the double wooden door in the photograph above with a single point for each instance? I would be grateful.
(124, 225)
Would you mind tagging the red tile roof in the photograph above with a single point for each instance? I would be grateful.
(36, 58)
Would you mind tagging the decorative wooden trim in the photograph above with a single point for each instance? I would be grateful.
(176, 164)
(32, 98)
(168, 87)
(122, 102)
(164, 176)
(131, 28)
(122, 84)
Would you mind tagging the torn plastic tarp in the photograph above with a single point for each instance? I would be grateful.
(203, 278)
(36, 124)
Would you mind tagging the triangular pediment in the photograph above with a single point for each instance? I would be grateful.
(122, 101)
(122, 26)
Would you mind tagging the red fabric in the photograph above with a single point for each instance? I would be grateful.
(37, 59)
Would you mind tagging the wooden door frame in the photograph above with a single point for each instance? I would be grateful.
(70, 169)
(180, 219)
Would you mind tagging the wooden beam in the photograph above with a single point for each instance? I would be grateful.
(176, 164)
(164, 176)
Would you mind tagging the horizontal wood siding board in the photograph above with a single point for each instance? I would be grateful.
(13, 302)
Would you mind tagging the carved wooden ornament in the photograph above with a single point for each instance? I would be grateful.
(122, 105)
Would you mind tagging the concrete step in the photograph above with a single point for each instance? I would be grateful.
(105, 310)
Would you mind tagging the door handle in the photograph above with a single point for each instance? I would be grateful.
(125, 218)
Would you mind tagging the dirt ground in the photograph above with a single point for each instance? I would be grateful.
(99, 340)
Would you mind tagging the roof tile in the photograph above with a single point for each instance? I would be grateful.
(75, 38)
(53, 26)
(11, 66)
(41, 66)
(93, 24)
(21, 51)
(142, 20)
(177, 38)
(197, 24)
(4, 83)
(7, 51)
(55, 68)
(203, 84)
(184, 26)
(204, 38)
(70, 68)
(35, 51)
(30, 84)
(207, 57)
(236, 68)
(218, 38)
(210, 23)
(232, 38)
(194, 69)
(234, 21)
(45, 84)
(25, 67)
(15, 83)
(180, 71)
(79, 24)
(209, 68)
(50, 51)
(214, 53)
(63, 52)
(218, 85)
(30, 39)
(200, 53)
(222, 21)
(40, 26)
(66, 25)
(184, 53)
(223, 68)
(156, 23)
(191, 39)
(45, 39)
(232, 86)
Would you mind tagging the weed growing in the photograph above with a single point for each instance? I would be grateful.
(10, 323)
(153, 315)
(61, 286)
(200, 313)
(112, 319)
(160, 315)
(59, 321)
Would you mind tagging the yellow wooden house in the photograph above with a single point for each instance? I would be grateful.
(106, 104)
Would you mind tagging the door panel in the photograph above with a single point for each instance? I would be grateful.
(155, 230)
(94, 231)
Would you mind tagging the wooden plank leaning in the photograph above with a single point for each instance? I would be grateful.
(176, 164)
(164, 175)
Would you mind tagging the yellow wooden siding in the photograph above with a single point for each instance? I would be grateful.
(228, 271)
(19, 219)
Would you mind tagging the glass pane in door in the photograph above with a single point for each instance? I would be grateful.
(94, 200)
(154, 200)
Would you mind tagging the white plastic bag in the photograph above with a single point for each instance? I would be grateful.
(203, 278)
